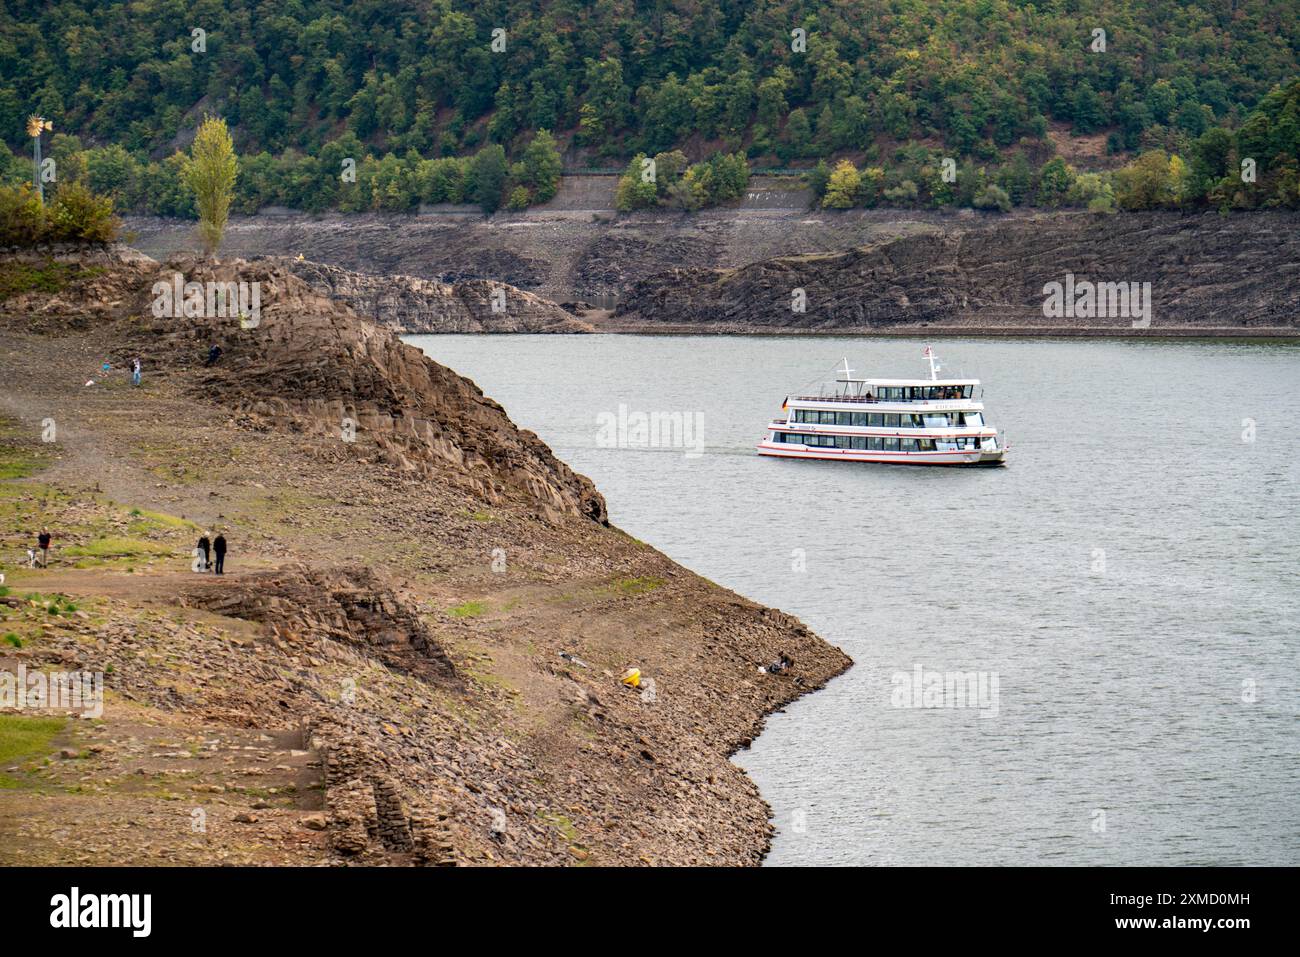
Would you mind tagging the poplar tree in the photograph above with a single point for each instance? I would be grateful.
(209, 171)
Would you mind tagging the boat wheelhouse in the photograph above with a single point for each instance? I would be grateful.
(930, 421)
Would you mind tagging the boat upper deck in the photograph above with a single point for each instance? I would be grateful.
(898, 390)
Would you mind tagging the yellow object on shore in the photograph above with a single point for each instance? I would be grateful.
(632, 677)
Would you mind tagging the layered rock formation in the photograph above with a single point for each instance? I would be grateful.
(956, 268)
(409, 304)
(1239, 272)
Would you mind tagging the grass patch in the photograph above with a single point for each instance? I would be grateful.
(160, 520)
(55, 605)
(561, 824)
(467, 609)
(18, 462)
(48, 276)
(118, 547)
(23, 738)
(635, 586)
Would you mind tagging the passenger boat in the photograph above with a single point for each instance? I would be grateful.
(930, 421)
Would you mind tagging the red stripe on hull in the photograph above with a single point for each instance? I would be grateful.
(902, 458)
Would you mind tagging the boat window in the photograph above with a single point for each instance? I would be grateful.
(891, 445)
(936, 421)
(827, 418)
(875, 418)
(859, 418)
(891, 421)
(975, 419)
(968, 391)
(859, 442)
(907, 445)
(925, 445)
(843, 418)
(875, 444)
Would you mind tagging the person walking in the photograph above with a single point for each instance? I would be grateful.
(43, 542)
(204, 550)
(136, 370)
(219, 549)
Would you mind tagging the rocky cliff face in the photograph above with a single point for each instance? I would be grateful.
(563, 255)
(1205, 271)
(311, 361)
(862, 268)
(409, 304)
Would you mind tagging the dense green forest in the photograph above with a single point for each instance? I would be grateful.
(475, 102)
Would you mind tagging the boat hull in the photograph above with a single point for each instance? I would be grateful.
(967, 457)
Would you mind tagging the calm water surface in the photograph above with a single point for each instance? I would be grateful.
(1130, 579)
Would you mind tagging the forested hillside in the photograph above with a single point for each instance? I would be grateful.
(782, 82)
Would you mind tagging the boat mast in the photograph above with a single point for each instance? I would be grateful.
(847, 376)
(934, 366)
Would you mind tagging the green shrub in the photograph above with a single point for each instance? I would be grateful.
(22, 218)
(993, 197)
(519, 198)
(78, 215)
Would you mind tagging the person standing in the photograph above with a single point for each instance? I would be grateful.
(43, 541)
(204, 551)
(219, 549)
(136, 370)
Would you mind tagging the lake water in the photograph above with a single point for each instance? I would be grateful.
(1129, 581)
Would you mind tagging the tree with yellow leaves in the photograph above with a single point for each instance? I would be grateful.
(209, 171)
(843, 186)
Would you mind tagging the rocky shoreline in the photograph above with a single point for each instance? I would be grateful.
(1134, 274)
(416, 654)
(732, 271)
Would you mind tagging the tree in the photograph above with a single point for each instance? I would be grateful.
(1089, 112)
(486, 177)
(842, 187)
(818, 178)
(636, 188)
(542, 166)
(1054, 182)
(798, 132)
(1153, 180)
(210, 172)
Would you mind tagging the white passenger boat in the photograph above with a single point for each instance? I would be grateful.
(930, 421)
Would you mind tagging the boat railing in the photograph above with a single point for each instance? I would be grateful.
(872, 399)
